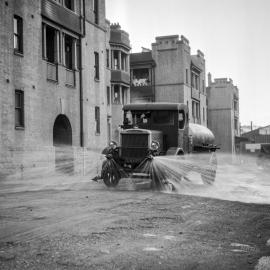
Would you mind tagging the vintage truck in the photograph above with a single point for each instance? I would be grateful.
(154, 129)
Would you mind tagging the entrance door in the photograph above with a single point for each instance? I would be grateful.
(62, 141)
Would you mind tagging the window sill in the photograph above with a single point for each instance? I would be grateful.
(70, 86)
(19, 128)
(97, 134)
(97, 80)
(18, 53)
(52, 81)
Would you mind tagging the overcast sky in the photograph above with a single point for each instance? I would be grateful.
(234, 35)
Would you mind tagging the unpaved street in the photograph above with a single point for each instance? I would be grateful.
(88, 226)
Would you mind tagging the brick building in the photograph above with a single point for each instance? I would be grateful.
(120, 77)
(223, 112)
(55, 82)
(169, 73)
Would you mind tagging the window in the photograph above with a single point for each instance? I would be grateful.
(235, 124)
(69, 4)
(97, 119)
(141, 77)
(68, 52)
(124, 95)
(163, 118)
(51, 45)
(95, 9)
(203, 86)
(108, 95)
(197, 110)
(116, 64)
(96, 66)
(186, 75)
(108, 58)
(116, 94)
(203, 114)
(18, 34)
(19, 108)
(193, 109)
(195, 81)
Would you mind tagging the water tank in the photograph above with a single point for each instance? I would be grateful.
(201, 135)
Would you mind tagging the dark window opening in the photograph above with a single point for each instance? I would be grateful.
(51, 47)
(195, 81)
(116, 94)
(141, 77)
(97, 119)
(95, 8)
(124, 95)
(19, 108)
(68, 51)
(116, 63)
(69, 4)
(163, 118)
(108, 58)
(108, 95)
(18, 34)
(186, 75)
(96, 66)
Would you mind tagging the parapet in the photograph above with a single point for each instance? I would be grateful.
(119, 36)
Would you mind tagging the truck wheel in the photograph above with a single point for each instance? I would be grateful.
(111, 178)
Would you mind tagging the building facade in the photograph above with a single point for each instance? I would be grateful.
(169, 73)
(120, 77)
(223, 112)
(55, 83)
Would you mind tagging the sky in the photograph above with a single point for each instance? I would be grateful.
(234, 36)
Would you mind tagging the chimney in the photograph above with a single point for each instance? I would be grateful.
(209, 78)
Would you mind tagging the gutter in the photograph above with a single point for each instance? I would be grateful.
(81, 80)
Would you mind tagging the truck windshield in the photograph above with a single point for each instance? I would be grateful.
(163, 118)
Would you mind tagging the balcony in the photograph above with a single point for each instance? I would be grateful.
(52, 72)
(119, 76)
(57, 13)
(70, 77)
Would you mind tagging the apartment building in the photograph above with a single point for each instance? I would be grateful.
(223, 112)
(55, 82)
(168, 72)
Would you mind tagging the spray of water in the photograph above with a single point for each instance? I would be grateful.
(236, 179)
(57, 168)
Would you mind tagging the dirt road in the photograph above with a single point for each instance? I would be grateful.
(88, 226)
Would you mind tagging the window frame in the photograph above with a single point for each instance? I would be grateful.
(95, 10)
(97, 119)
(19, 108)
(18, 35)
(96, 66)
(107, 58)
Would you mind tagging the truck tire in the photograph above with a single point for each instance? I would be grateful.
(110, 175)
(111, 178)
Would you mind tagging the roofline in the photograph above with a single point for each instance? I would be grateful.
(162, 106)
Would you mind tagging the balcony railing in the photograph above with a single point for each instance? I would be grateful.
(70, 77)
(52, 72)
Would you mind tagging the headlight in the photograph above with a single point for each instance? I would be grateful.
(154, 145)
(112, 144)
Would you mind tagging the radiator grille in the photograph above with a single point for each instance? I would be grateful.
(134, 147)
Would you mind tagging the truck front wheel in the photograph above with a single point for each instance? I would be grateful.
(111, 178)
